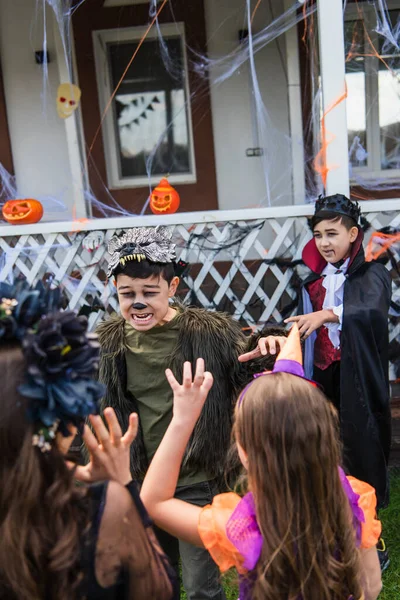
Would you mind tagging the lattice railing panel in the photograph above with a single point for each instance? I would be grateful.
(231, 268)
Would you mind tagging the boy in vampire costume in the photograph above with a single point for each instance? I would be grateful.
(153, 333)
(343, 316)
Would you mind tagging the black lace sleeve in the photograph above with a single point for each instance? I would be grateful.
(128, 553)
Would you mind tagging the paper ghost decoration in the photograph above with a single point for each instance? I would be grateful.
(68, 97)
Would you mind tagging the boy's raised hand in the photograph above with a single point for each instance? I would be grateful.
(266, 345)
(312, 321)
(190, 396)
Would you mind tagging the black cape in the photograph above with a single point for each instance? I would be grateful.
(365, 420)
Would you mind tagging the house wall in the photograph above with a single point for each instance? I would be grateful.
(92, 16)
(38, 136)
(241, 180)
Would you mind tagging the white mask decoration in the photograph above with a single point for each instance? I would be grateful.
(93, 240)
(68, 97)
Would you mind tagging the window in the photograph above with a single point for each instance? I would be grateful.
(147, 131)
(373, 85)
(109, 3)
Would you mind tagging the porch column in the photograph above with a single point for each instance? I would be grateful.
(334, 124)
(295, 113)
(74, 131)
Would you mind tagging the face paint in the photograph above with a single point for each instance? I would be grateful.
(139, 306)
(144, 303)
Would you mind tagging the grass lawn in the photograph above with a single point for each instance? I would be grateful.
(391, 531)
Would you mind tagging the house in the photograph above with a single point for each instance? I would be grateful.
(248, 128)
(237, 142)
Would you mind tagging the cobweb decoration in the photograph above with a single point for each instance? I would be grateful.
(384, 27)
(270, 138)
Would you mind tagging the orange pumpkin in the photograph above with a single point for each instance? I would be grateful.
(164, 199)
(22, 212)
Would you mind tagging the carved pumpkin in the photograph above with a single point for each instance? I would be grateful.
(22, 212)
(164, 199)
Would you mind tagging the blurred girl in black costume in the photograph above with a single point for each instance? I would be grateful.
(60, 541)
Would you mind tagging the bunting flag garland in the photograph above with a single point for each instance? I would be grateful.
(143, 114)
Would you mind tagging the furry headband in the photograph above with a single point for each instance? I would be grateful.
(141, 243)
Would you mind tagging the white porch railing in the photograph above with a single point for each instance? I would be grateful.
(230, 251)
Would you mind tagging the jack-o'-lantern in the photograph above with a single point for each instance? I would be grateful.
(22, 212)
(164, 199)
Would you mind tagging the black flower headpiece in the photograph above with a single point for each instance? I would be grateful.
(21, 307)
(337, 204)
(62, 360)
(61, 357)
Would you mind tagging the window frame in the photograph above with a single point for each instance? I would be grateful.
(101, 38)
(373, 169)
(112, 3)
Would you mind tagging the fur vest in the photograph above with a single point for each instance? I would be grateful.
(218, 339)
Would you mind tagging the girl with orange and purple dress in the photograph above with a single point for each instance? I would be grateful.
(304, 530)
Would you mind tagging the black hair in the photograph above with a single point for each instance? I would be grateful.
(145, 269)
(328, 215)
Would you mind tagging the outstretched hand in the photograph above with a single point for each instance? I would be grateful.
(310, 322)
(266, 345)
(108, 449)
(190, 396)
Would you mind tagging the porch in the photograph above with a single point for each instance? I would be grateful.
(259, 144)
(252, 153)
(233, 257)
(250, 131)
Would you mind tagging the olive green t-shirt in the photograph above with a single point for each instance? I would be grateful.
(147, 357)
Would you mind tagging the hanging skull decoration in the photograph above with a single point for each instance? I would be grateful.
(68, 98)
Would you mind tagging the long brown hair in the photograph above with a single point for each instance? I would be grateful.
(42, 513)
(289, 432)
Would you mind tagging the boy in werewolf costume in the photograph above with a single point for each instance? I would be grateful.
(152, 334)
(343, 316)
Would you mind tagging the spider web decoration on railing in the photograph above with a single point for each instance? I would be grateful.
(239, 266)
(229, 270)
(233, 271)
